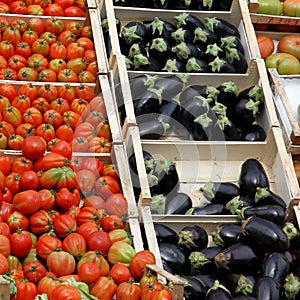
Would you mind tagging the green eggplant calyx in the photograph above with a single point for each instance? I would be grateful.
(178, 35)
(208, 190)
(230, 86)
(150, 81)
(134, 50)
(184, 78)
(157, 24)
(163, 165)
(182, 50)
(187, 2)
(257, 93)
(140, 60)
(200, 35)
(203, 120)
(158, 204)
(241, 212)
(170, 66)
(149, 165)
(223, 121)
(165, 126)
(232, 54)
(129, 34)
(180, 19)
(291, 286)
(254, 106)
(244, 286)
(159, 44)
(186, 239)
(208, 3)
(128, 63)
(198, 260)
(210, 23)
(261, 193)
(152, 180)
(176, 99)
(104, 25)
(216, 236)
(123, 1)
(162, 2)
(212, 92)
(189, 212)
(290, 230)
(192, 65)
(233, 205)
(205, 101)
(219, 108)
(228, 41)
(213, 49)
(217, 286)
(157, 92)
(217, 64)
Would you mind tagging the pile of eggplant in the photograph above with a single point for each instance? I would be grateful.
(187, 45)
(168, 106)
(254, 260)
(204, 5)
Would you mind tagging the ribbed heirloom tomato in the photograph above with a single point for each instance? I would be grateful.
(33, 147)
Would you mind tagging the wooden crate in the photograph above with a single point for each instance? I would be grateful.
(238, 15)
(269, 19)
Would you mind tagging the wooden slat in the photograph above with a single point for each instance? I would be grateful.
(4, 289)
(270, 19)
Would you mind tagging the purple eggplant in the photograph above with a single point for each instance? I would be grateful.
(187, 21)
(237, 203)
(158, 28)
(148, 162)
(182, 35)
(218, 292)
(207, 280)
(148, 104)
(138, 3)
(204, 37)
(276, 265)
(136, 49)
(184, 51)
(266, 234)
(232, 41)
(192, 238)
(231, 133)
(244, 298)
(165, 234)
(237, 59)
(173, 65)
(267, 288)
(227, 95)
(196, 65)
(252, 176)
(211, 52)
(202, 4)
(178, 203)
(220, 192)
(223, 5)
(161, 4)
(228, 234)
(254, 92)
(159, 50)
(273, 213)
(221, 27)
(220, 65)
(237, 258)
(144, 63)
(201, 127)
(209, 209)
(254, 133)
(135, 32)
(193, 289)
(264, 196)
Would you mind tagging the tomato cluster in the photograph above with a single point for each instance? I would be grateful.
(67, 8)
(72, 114)
(47, 51)
(61, 217)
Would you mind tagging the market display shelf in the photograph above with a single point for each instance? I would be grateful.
(257, 18)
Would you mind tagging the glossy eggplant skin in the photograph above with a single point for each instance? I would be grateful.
(210, 209)
(228, 234)
(265, 196)
(139, 30)
(254, 133)
(165, 234)
(252, 176)
(194, 290)
(276, 265)
(267, 288)
(207, 280)
(266, 234)
(221, 27)
(153, 129)
(148, 161)
(178, 203)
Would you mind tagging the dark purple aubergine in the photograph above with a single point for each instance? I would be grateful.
(168, 112)
(266, 234)
(244, 298)
(232, 41)
(134, 32)
(181, 4)
(193, 289)
(147, 104)
(139, 3)
(230, 132)
(252, 176)
(237, 203)
(238, 283)
(135, 49)
(254, 92)
(273, 213)
(202, 5)
(182, 35)
(173, 65)
(161, 4)
(223, 5)
(276, 265)
(220, 192)
(159, 49)
(237, 59)
(201, 128)
(144, 63)
(218, 292)
(295, 247)
(204, 37)
(158, 28)
(139, 85)
(209, 209)
(227, 95)
(187, 21)
(177, 204)
(237, 258)
(148, 162)
(212, 51)
(193, 238)
(228, 234)
(207, 280)
(184, 51)
(174, 257)
(221, 27)
(267, 288)
(165, 234)
(196, 65)
(220, 65)
(264, 196)
(255, 133)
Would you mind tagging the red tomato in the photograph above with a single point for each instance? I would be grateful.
(13, 182)
(99, 241)
(48, 91)
(265, 45)
(21, 164)
(64, 148)
(111, 222)
(87, 228)
(4, 229)
(46, 131)
(23, 49)
(12, 115)
(120, 273)
(128, 291)
(54, 118)
(4, 245)
(5, 162)
(15, 142)
(29, 180)
(47, 199)
(16, 220)
(54, 10)
(106, 186)
(67, 75)
(25, 290)
(47, 285)
(54, 160)
(120, 252)
(7, 129)
(28, 73)
(57, 259)
(25, 130)
(89, 272)
(94, 201)
(34, 271)
(21, 243)
(116, 204)
(47, 244)
(89, 214)
(40, 222)
(64, 225)
(33, 147)
(86, 181)
(28, 90)
(139, 261)
(64, 198)
(4, 266)
(75, 244)
(66, 292)
(27, 202)
(80, 144)
(71, 118)
(93, 164)
(41, 104)
(289, 44)
(65, 132)
(58, 51)
(104, 288)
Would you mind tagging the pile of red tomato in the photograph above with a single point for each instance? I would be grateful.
(72, 114)
(62, 217)
(47, 51)
(67, 8)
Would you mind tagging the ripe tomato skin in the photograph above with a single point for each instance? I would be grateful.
(4, 266)
(64, 225)
(74, 244)
(47, 199)
(110, 170)
(120, 235)
(47, 285)
(5, 162)
(139, 261)
(64, 148)
(116, 204)
(128, 291)
(120, 252)
(47, 244)
(4, 245)
(25, 290)
(120, 273)
(33, 147)
(111, 222)
(40, 222)
(87, 228)
(15, 219)
(66, 292)
(27, 202)
(21, 243)
(34, 271)
(29, 180)
(89, 272)
(93, 164)
(99, 241)
(57, 259)
(104, 288)
(86, 181)
(64, 198)
(289, 44)
(265, 45)
(4, 229)
(13, 182)
(106, 186)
